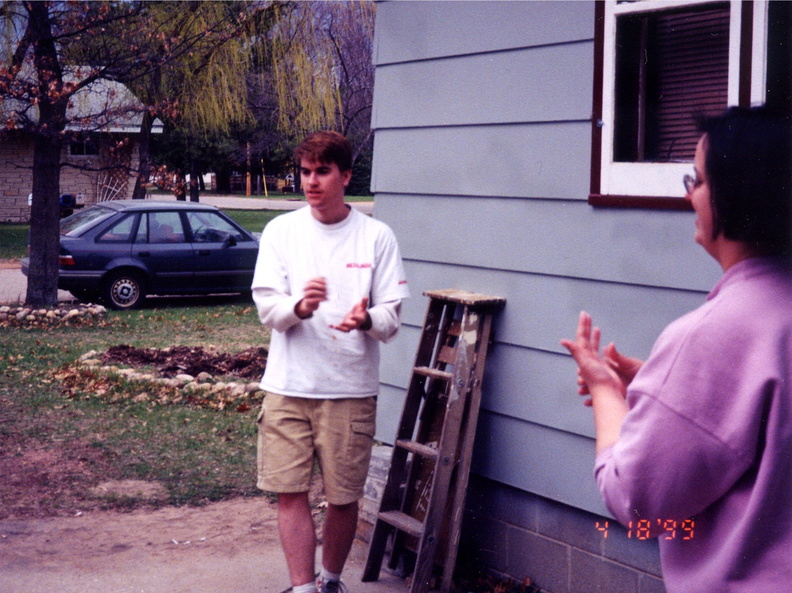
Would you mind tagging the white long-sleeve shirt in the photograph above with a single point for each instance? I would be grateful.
(358, 257)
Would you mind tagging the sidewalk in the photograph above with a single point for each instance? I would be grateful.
(13, 286)
(224, 547)
(244, 203)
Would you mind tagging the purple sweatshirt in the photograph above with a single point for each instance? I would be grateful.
(709, 436)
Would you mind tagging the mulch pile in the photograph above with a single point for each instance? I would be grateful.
(189, 360)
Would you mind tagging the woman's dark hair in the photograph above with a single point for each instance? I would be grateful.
(749, 170)
(325, 147)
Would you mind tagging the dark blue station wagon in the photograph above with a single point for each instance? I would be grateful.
(118, 252)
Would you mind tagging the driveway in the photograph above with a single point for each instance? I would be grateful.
(13, 286)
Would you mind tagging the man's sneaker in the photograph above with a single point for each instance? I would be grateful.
(331, 586)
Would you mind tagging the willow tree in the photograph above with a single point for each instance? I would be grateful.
(204, 92)
(321, 69)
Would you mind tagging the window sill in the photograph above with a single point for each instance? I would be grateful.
(644, 202)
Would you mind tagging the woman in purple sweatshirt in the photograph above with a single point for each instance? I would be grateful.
(703, 428)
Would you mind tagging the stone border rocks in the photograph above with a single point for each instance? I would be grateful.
(74, 314)
(202, 390)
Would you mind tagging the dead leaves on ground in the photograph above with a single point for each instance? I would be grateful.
(491, 583)
(90, 378)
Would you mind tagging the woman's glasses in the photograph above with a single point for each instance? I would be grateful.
(690, 183)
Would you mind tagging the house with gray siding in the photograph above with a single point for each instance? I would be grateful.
(518, 154)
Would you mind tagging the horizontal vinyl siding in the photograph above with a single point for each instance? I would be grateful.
(481, 168)
(546, 306)
(442, 92)
(553, 464)
(558, 238)
(523, 160)
(431, 29)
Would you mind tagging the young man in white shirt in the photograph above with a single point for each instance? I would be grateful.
(329, 281)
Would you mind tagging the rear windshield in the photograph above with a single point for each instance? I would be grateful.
(77, 223)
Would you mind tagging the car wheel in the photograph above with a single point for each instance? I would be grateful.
(124, 290)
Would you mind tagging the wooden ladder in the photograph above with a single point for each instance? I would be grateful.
(424, 495)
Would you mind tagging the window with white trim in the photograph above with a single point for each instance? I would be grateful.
(662, 63)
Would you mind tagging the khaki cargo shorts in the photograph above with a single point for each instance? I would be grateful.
(339, 433)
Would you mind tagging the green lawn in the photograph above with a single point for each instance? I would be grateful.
(197, 453)
(13, 240)
(253, 220)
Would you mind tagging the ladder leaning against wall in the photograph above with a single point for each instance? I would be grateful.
(423, 501)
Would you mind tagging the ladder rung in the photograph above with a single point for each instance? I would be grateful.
(455, 329)
(434, 373)
(402, 522)
(416, 447)
(447, 354)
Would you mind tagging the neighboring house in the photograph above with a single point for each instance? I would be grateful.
(500, 165)
(99, 160)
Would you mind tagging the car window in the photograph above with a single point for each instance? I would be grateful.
(120, 232)
(165, 227)
(75, 224)
(211, 227)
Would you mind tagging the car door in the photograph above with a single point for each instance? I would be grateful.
(113, 244)
(162, 247)
(225, 256)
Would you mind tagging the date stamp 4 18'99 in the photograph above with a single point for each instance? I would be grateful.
(646, 529)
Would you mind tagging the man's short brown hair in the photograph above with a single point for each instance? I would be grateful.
(325, 147)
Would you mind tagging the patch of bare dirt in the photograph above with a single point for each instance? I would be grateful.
(136, 489)
(248, 364)
(41, 482)
(162, 530)
(225, 547)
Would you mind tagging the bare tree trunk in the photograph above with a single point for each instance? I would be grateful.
(223, 181)
(297, 180)
(195, 173)
(42, 288)
(180, 191)
(144, 152)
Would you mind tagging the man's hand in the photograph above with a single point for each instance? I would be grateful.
(357, 318)
(314, 293)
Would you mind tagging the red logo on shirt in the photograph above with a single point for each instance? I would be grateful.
(354, 265)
